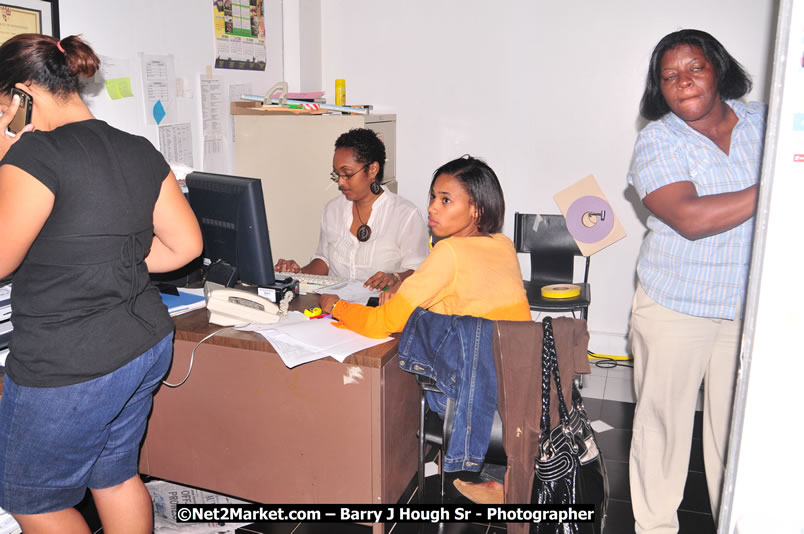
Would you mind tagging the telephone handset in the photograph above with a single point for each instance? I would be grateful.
(229, 307)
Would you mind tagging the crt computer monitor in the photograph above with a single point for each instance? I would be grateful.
(231, 212)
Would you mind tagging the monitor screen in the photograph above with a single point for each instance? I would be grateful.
(231, 212)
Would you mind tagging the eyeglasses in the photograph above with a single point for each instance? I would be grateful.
(334, 176)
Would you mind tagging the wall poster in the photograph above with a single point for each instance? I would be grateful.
(239, 34)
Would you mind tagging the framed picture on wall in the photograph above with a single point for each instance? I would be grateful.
(28, 16)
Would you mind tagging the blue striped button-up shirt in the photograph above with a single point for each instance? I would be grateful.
(705, 277)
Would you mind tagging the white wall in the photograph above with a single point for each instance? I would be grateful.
(183, 28)
(546, 92)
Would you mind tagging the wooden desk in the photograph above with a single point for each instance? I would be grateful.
(245, 425)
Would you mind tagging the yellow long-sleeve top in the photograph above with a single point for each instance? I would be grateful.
(476, 276)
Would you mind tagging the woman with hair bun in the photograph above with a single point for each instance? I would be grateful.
(367, 233)
(472, 270)
(86, 211)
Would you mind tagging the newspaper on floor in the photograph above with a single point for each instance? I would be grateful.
(163, 526)
(166, 496)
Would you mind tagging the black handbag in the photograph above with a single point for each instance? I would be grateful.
(569, 466)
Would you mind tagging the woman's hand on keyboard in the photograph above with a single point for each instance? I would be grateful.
(287, 266)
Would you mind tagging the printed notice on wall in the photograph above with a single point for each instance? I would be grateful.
(176, 143)
(213, 114)
(213, 108)
(239, 34)
(158, 88)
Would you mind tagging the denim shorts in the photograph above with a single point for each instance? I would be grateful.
(57, 442)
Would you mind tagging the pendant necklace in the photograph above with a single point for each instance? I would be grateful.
(363, 231)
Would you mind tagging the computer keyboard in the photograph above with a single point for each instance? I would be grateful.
(5, 325)
(5, 302)
(308, 283)
(5, 333)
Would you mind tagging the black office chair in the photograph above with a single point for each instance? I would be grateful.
(552, 261)
(435, 431)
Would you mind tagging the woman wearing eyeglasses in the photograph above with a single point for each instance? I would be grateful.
(368, 233)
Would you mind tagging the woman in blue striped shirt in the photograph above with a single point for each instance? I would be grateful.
(696, 168)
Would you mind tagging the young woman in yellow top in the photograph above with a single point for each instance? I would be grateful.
(473, 272)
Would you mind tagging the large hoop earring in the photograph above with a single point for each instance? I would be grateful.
(375, 188)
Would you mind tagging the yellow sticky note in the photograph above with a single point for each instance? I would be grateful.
(118, 88)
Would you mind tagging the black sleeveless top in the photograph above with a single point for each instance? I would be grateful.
(83, 304)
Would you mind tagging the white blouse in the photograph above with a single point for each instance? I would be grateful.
(399, 238)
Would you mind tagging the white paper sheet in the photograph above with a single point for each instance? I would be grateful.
(301, 340)
(158, 86)
(351, 291)
(213, 114)
(7, 524)
(290, 350)
(176, 143)
(292, 317)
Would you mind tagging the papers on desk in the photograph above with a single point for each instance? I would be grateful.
(187, 300)
(350, 290)
(299, 340)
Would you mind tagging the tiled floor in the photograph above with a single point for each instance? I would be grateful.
(608, 396)
(615, 383)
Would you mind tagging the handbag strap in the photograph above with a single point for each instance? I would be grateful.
(547, 363)
(550, 368)
(550, 344)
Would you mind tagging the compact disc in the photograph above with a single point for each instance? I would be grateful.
(588, 228)
(561, 291)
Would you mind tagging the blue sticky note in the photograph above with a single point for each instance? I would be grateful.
(159, 111)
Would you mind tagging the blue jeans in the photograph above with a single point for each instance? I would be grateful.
(57, 442)
(456, 352)
(489, 471)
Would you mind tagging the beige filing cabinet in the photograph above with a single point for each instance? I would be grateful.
(292, 155)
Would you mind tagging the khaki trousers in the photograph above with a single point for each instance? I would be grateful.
(673, 352)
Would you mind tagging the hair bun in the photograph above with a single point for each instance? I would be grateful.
(80, 58)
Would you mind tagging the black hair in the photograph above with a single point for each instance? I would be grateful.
(55, 65)
(367, 147)
(483, 187)
(732, 80)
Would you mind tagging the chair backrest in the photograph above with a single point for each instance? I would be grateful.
(550, 245)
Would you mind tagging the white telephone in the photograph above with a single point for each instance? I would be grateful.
(229, 307)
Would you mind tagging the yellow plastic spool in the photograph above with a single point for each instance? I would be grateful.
(561, 291)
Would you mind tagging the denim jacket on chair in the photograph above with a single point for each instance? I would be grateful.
(456, 352)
